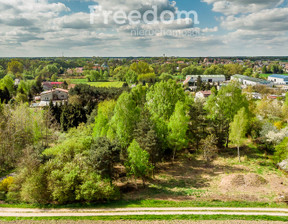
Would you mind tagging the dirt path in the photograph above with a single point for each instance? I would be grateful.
(11, 212)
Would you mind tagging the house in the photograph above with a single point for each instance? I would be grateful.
(75, 71)
(250, 81)
(203, 94)
(17, 82)
(278, 79)
(51, 85)
(191, 80)
(54, 95)
(104, 66)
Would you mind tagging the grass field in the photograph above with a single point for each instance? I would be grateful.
(78, 81)
(154, 217)
(265, 76)
(97, 84)
(150, 203)
(106, 84)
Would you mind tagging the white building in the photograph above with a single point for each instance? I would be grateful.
(55, 94)
(278, 79)
(250, 81)
(192, 79)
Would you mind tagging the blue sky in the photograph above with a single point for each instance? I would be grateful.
(227, 28)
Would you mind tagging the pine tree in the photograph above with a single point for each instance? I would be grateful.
(146, 136)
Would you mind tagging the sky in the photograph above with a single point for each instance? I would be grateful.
(54, 28)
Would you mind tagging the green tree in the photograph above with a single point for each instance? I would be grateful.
(141, 68)
(209, 147)
(223, 107)
(131, 77)
(281, 151)
(147, 78)
(104, 115)
(102, 156)
(178, 127)
(264, 69)
(124, 120)
(238, 129)
(138, 162)
(162, 98)
(15, 67)
(165, 77)
(146, 136)
(54, 78)
(248, 72)
(199, 83)
(193, 70)
(7, 82)
(2, 72)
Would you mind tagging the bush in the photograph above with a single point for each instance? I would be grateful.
(5, 184)
(4, 187)
(95, 189)
(34, 189)
(281, 151)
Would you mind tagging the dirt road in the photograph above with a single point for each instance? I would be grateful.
(12, 212)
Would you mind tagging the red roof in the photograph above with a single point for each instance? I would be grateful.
(56, 83)
(208, 92)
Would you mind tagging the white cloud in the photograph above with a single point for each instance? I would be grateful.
(234, 7)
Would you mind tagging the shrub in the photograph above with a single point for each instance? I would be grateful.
(5, 184)
(4, 187)
(281, 151)
(34, 189)
(94, 188)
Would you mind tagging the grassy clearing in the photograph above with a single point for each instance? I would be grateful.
(97, 84)
(106, 84)
(155, 203)
(78, 81)
(265, 76)
(155, 217)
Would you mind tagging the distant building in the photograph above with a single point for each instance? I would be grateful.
(105, 66)
(250, 81)
(192, 79)
(51, 85)
(17, 82)
(75, 71)
(203, 94)
(278, 79)
(54, 95)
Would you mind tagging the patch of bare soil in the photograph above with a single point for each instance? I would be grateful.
(238, 180)
(223, 179)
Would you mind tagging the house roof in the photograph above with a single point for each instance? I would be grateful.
(208, 92)
(57, 83)
(52, 83)
(205, 76)
(278, 76)
(53, 90)
(46, 92)
(62, 90)
(248, 78)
